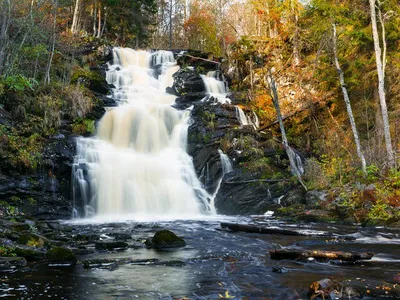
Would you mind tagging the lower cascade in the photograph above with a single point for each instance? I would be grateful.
(137, 163)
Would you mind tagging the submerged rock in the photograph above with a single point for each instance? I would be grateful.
(165, 239)
(111, 245)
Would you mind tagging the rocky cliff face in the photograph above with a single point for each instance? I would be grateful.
(259, 180)
(46, 192)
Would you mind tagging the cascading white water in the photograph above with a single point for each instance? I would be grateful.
(226, 168)
(246, 120)
(226, 162)
(215, 88)
(138, 164)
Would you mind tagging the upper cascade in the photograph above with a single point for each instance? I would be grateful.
(137, 164)
(216, 88)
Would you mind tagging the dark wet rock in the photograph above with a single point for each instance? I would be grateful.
(187, 81)
(90, 237)
(121, 236)
(82, 251)
(186, 100)
(111, 245)
(108, 264)
(165, 239)
(173, 263)
(21, 227)
(54, 237)
(29, 253)
(281, 270)
(252, 187)
(243, 194)
(60, 255)
(9, 262)
(59, 226)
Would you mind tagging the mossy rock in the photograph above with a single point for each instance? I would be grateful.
(29, 253)
(21, 227)
(60, 254)
(33, 240)
(316, 215)
(165, 239)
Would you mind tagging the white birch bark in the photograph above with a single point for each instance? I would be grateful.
(289, 151)
(381, 86)
(75, 19)
(5, 13)
(348, 104)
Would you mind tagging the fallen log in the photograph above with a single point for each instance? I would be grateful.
(319, 255)
(258, 229)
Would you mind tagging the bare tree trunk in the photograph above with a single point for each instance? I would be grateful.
(5, 14)
(94, 18)
(104, 22)
(289, 151)
(99, 24)
(296, 40)
(48, 68)
(75, 20)
(381, 86)
(170, 24)
(348, 104)
(383, 42)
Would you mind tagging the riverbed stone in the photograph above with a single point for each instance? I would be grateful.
(29, 253)
(165, 239)
(60, 254)
(8, 262)
(111, 245)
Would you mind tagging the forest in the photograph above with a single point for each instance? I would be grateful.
(308, 131)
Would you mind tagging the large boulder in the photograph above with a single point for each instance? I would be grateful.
(165, 239)
(60, 255)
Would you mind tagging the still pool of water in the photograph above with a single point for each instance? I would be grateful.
(214, 262)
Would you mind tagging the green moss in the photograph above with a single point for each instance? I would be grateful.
(32, 240)
(83, 126)
(60, 254)
(7, 251)
(209, 120)
(167, 239)
(81, 74)
(20, 150)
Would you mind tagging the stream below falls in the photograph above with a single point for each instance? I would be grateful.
(214, 262)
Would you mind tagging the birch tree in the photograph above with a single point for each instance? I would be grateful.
(348, 104)
(75, 19)
(379, 58)
(289, 151)
(5, 16)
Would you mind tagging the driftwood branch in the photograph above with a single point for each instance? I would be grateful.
(319, 254)
(204, 59)
(257, 229)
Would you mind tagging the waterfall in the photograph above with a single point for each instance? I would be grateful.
(226, 168)
(226, 163)
(246, 120)
(137, 164)
(216, 88)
